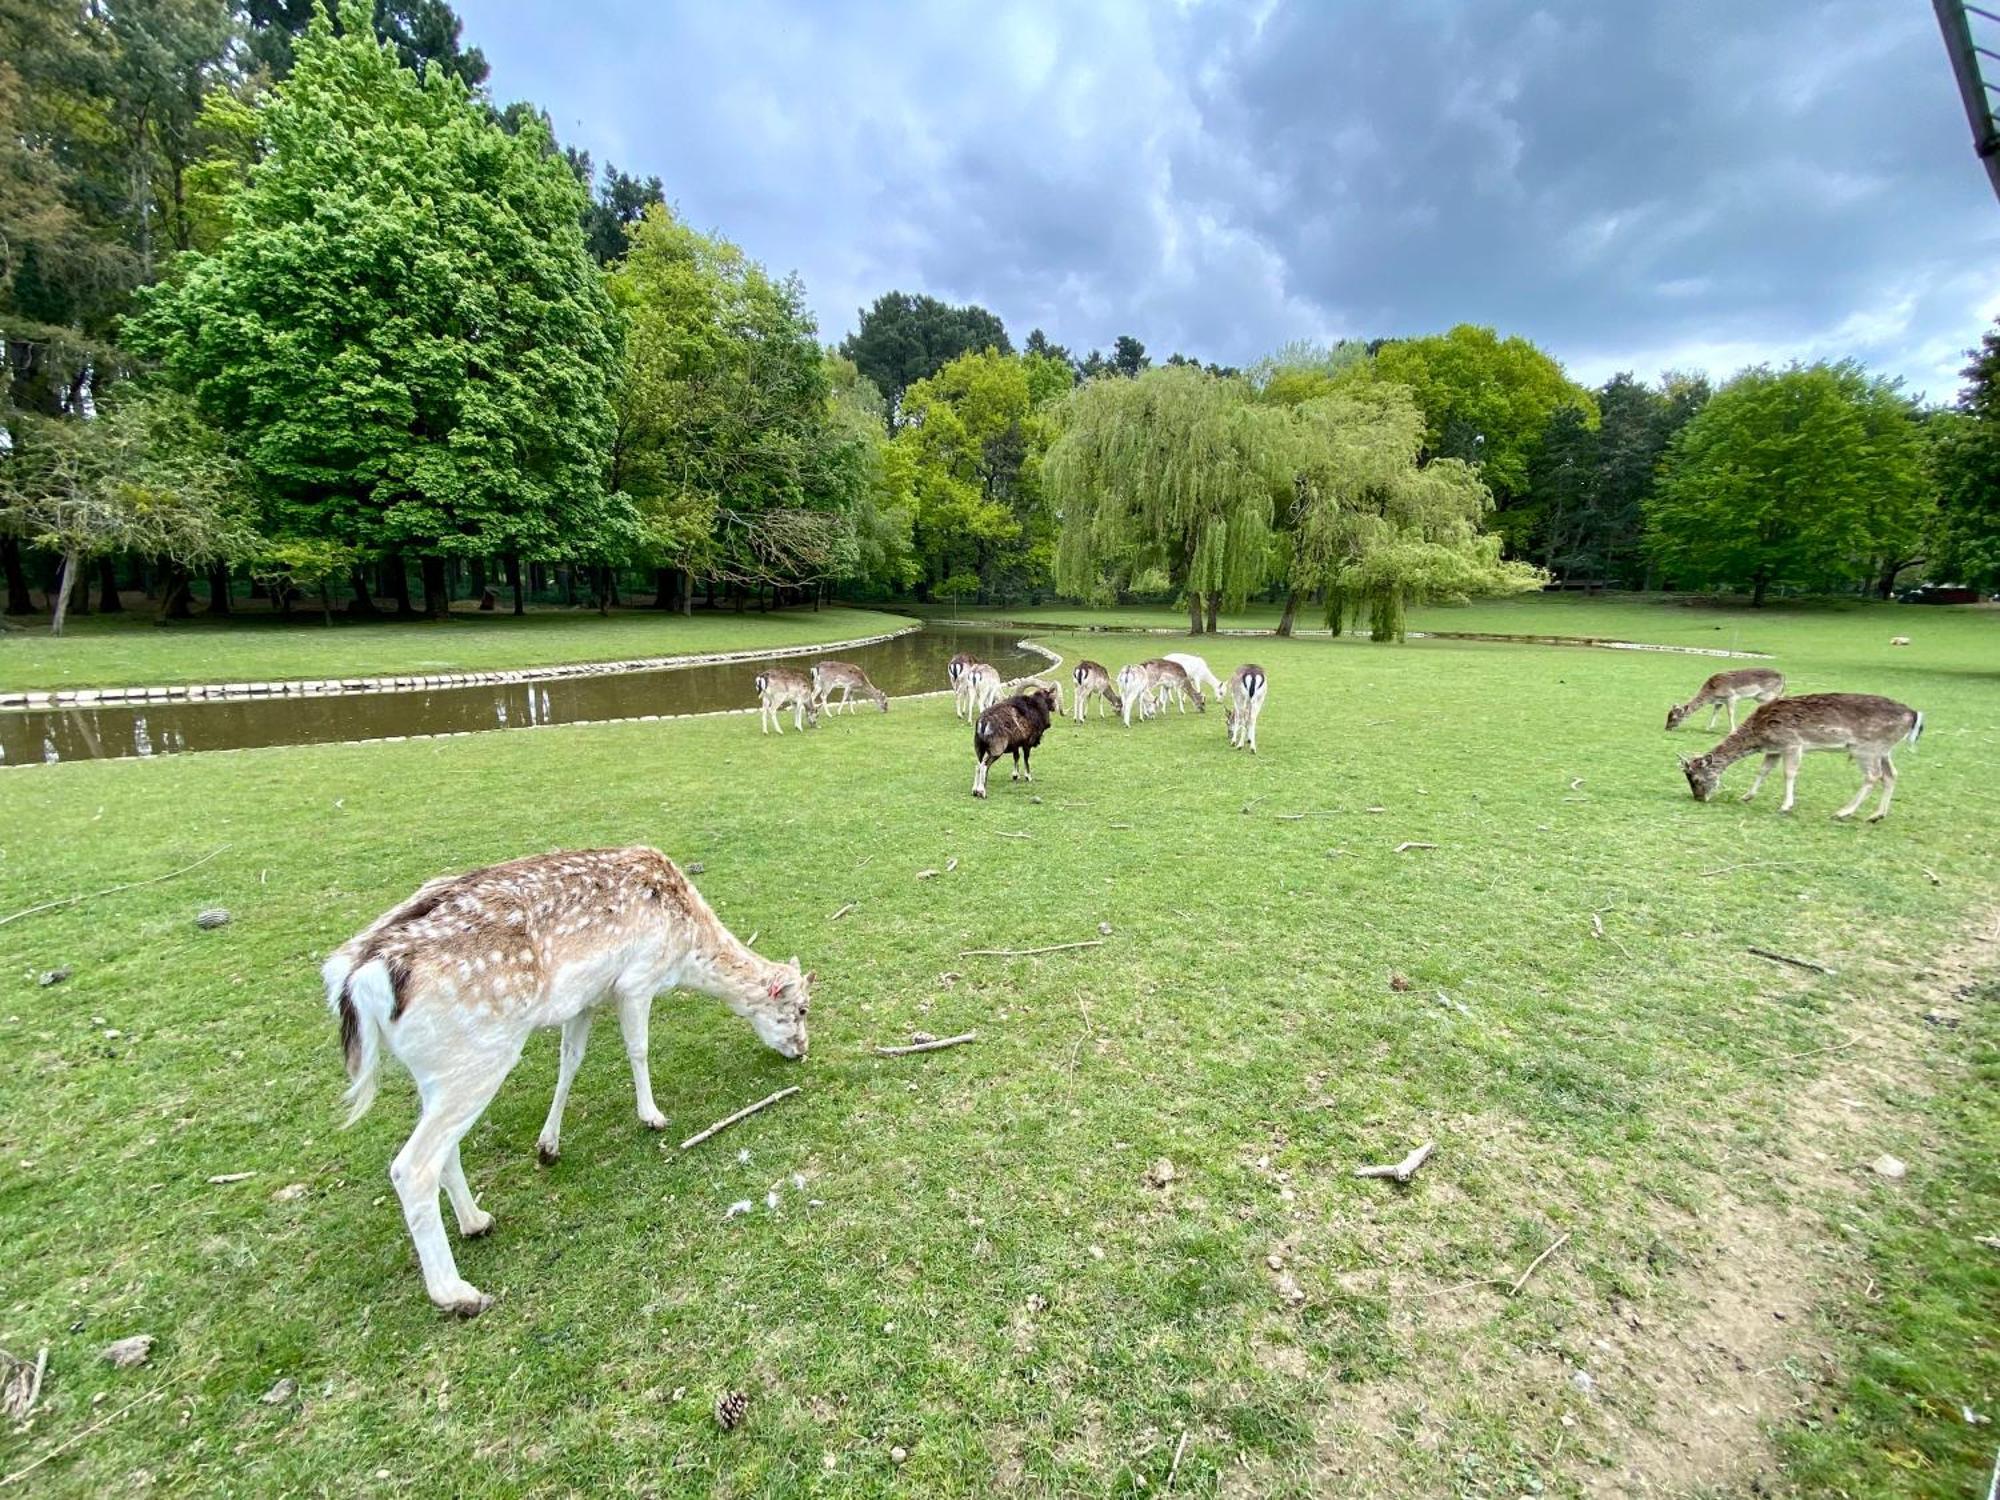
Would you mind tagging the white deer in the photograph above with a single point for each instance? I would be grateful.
(1198, 675)
(1242, 701)
(453, 981)
(1867, 727)
(780, 688)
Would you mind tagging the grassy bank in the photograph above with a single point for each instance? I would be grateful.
(976, 1269)
(108, 650)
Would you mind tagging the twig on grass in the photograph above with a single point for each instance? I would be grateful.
(1027, 952)
(1002, 834)
(1561, 1240)
(842, 912)
(1403, 1170)
(20, 1391)
(70, 1442)
(932, 1046)
(1576, 783)
(1409, 844)
(742, 1114)
(1755, 864)
(110, 890)
(1797, 963)
(1175, 1467)
(1117, 825)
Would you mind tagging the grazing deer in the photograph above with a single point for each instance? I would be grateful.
(1093, 681)
(954, 671)
(1151, 683)
(1199, 676)
(1725, 689)
(1867, 727)
(1242, 700)
(454, 980)
(978, 689)
(1012, 728)
(844, 675)
(779, 688)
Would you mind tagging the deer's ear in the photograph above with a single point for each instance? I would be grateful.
(775, 988)
(812, 976)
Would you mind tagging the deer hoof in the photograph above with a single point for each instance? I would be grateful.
(546, 1154)
(481, 1227)
(463, 1301)
(1877, 817)
(654, 1121)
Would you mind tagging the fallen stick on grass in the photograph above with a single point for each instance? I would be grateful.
(1403, 1170)
(111, 890)
(1000, 834)
(1027, 952)
(932, 1046)
(1413, 844)
(1797, 963)
(842, 912)
(1561, 1240)
(70, 1442)
(742, 1114)
(1175, 1467)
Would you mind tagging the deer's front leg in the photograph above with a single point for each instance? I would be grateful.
(1763, 770)
(1792, 759)
(635, 1012)
(575, 1035)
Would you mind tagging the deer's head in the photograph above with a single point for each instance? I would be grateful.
(1702, 775)
(777, 1012)
(1675, 714)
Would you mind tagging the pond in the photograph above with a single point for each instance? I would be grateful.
(913, 663)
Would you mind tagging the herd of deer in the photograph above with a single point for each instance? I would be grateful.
(454, 980)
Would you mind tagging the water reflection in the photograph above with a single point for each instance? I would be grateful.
(912, 663)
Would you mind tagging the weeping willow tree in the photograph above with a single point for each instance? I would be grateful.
(1177, 470)
(1374, 531)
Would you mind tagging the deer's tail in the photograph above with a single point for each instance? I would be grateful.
(363, 998)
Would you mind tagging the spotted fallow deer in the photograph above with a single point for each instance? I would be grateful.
(1199, 677)
(780, 688)
(849, 680)
(1242, 701)
(1093, 681)
(977, 689)
(1150, 683)
(1726, 690)
(453, 981)
(1867, 727)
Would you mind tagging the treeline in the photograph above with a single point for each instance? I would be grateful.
(288, 302)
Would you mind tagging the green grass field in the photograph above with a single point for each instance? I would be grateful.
(107, 650)
(976, 1269)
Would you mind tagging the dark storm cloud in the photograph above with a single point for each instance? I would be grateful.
(1633, 185)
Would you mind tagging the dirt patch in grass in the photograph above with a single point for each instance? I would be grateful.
(1748, 1357)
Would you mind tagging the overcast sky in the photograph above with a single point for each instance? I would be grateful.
(1633, 185)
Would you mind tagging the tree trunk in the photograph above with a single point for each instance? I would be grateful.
(396, 574)
(1214, 608)
(108, 601)
(174, 591)
(71, 562)
(437, 597)
(326, 602)
(1757, 589)
(1194, 613)
(478, 567)
(79, 599)
(20, 598)
(514, 582)
(362, 605)
(1290, 614)
(665, 581)
(687, 596)
(218, 589)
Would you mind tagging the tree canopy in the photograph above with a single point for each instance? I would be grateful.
(903, 339)
(1801, 477)
(1965, 458)
(402, 332)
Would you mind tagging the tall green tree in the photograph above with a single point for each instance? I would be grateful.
(425, 34)
(903, 339)
(1802, 478)
(1176, 469)
(1965, 460)
(724, 438)
(1485, 399)
(402, 333)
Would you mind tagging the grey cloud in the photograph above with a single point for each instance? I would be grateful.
(1696, 183)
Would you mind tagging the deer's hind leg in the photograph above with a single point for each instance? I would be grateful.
(1886, 774)
(1792, 758)
(452, 1101)
(473, 1221)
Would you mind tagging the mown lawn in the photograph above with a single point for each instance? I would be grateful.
(107, 650)
(976, 1269)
